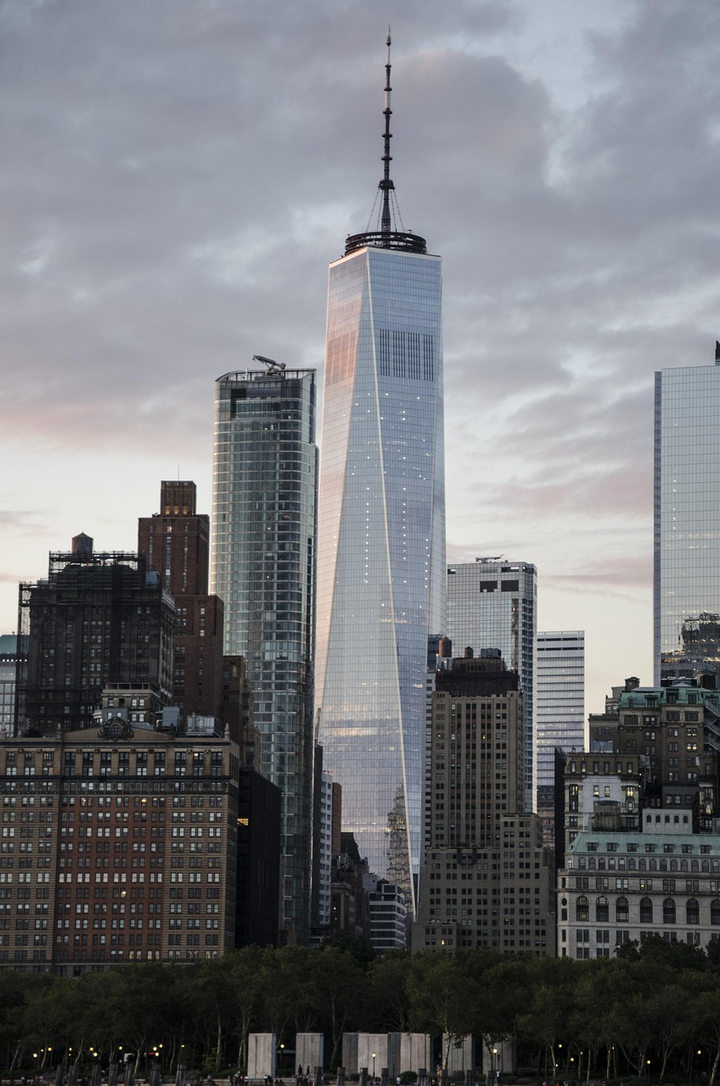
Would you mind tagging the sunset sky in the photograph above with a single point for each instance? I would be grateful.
(177, 175)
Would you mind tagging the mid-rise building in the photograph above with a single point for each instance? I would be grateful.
(487, 879)
(259, 860)
(388, 914)
(492, 603)
(687, 523)
(382, 531)
(643, 823)
(119, 845)
(98, 618)
(263, 563)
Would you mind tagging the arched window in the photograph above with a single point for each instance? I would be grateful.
(667, 820)
(705, 866)
(602, 910)
(582, 908)
(694, 865)
(673, 865)
(622, 910)
(692, 910)
(646, 910)
(715, 912)
(668, 911)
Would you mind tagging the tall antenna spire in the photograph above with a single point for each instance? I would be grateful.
(388, 236)
(386, 185)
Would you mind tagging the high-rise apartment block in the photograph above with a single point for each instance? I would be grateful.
(687, 523)
(120, 845)
(487, 879)
(382, 531)
(98, 618)
(175, 543)
(492, 603)
(263, 568)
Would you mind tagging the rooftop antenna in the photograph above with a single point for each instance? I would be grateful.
(389, 236)
(386, 185)
(272, 365)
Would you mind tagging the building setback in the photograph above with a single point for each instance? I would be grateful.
(382, 531)
(263, 567)
(487, 879)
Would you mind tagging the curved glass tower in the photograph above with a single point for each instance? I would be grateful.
(381, 544)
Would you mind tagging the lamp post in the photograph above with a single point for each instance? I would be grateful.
(373, 1077)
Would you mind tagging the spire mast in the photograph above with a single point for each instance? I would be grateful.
(388, 236)
(386, 185)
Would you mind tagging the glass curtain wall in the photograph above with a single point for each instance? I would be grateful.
(382, 543)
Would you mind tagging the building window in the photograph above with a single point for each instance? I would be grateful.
(582, 909)
(692, 911)
(622, 910)
(715, 912)
(602, 910)
(669, 910)
(646, 910)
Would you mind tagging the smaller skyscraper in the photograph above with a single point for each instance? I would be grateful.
(560, 709)
(263, 568)
(480, 825)
(492, 603)
(687, 523)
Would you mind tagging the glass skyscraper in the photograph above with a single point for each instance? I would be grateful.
(559, 703)
(381, 549)
(492, 604)
(687, 521)
(263, 567)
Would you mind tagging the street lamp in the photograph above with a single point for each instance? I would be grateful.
(373, 1059)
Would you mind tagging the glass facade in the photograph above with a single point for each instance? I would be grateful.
(560, 701)
(381, 544)
(492, 604)
(687, 522)
(263, 567)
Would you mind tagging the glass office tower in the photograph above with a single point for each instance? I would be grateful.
(559, 704)
(687, 521)
(263, 565)
(492, 604)
(382, 537)
(381, 548)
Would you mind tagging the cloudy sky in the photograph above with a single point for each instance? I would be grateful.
(177, 175)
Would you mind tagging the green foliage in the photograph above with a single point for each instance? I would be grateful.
(655, 1004)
